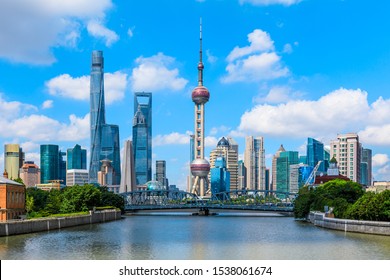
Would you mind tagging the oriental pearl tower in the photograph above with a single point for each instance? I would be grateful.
(200, 167)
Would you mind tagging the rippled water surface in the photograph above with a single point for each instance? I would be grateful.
(196, 237)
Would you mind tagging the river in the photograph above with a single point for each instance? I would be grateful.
(183, 237)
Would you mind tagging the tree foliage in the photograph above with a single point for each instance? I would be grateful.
(70, 200)
(372, 207)
(338, 194)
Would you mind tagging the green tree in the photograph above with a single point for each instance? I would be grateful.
(53, 202)
(80, 198)
(111, 199)
(338, 194)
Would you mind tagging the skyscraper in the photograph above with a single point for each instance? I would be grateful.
(366, 167)
(50, 163)
(104, 137)
(128, 174)
(200, 96)
(220, 176)
(241, 175)
(315, 153)
(13, 160)
(142, 137)
(161, 170)
(229, 153)
(274, 167)
(254, 160)
(76, 158)
(346, 149)
(283, 163)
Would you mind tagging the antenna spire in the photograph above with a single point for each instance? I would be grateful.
(200, 64)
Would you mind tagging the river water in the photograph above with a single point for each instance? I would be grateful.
(184, 237)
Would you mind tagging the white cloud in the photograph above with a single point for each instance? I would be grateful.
(255, 62)
(259, 40)
(30, 29)
(210, 58)
(211, 141)
(29, 146)
(156, 73)
(278, 94)
(380, 160)
(220, 129)
(96, 29)
(78, 88)
(287, 48)
(130, 32)
(13, 109)
(47, 104)
(173, 138)
(270, 2)
(333, 113)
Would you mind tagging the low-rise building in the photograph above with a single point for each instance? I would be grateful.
(12, 199)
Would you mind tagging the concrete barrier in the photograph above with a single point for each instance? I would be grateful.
(371, 227)
(46, 224)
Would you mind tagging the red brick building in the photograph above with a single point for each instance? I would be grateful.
(12, 199)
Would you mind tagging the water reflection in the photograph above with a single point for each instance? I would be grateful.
(193, 237)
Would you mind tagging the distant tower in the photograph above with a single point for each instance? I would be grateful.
(142, 137)
(200, 95)
(128, 174)
(13, 160)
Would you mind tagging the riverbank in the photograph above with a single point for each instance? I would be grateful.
(46, 224)
(370, 227)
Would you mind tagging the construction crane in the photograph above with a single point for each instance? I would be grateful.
(312, 177)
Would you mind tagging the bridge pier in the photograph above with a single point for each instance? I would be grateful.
(204, 211)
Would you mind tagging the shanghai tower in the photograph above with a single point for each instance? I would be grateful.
(104, 137)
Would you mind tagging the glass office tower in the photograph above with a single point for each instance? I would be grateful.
(104, 137)
(142, 137)
(76, 158)
(315, 153)
(50, 163)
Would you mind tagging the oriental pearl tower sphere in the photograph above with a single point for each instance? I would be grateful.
(200, 167)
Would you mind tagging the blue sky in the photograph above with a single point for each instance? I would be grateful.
(282, 69)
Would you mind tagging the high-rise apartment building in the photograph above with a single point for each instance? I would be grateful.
(161, 170)
(30, 174)
(142, 137)
(274, 167)
(76, 158)
(76, 177)
(315, 153)
(104, 137)
(13, 160)
(106, 175)
(128, 174)
(229, 153)
(346, 149)
(254, 160)
(283, 163)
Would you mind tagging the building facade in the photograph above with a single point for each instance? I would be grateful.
(30, 174)
(128, 175)
(254, 160)
(142, 137)
(241, 175)
(283, 163)
(13, 160)
(50, 163)
(76, 158)
(366, 167)
(229, 153)
(274, 178)
(346, 149)
(161, 173)
(315, 153)
(76, 177)
(220, 176)
(12, 199)
(104, 137)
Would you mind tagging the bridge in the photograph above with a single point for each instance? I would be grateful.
(241, 200)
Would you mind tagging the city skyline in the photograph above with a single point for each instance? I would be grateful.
(292, 80)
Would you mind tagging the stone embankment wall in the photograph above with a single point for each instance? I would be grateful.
(371, 227)
(46, 224)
